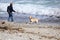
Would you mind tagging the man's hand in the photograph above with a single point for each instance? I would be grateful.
(17, 12)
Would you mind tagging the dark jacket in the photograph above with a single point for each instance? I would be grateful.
(10, 9)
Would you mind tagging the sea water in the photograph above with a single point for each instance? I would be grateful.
(44, 10)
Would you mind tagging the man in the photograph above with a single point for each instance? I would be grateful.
(10, 10)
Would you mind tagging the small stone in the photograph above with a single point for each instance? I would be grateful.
(3, 22)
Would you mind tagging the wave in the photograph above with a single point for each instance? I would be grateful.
(32, 9)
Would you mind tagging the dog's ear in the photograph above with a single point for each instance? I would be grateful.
(30, 16)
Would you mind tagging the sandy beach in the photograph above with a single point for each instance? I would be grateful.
(16, 15)
(26, 31)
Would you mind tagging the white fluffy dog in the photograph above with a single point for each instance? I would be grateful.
(33, 19)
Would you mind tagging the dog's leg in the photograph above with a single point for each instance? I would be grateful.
(36, 21)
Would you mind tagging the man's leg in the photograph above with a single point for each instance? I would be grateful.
(9, 18)
(12, 18)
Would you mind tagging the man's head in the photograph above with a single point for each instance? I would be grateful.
(11, 4)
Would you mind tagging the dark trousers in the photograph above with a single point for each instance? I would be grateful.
(10, 18)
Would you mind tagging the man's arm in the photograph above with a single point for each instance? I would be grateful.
(13, 9)
(8, 9)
